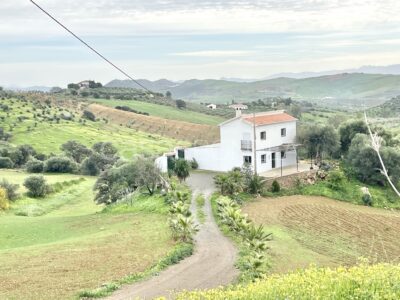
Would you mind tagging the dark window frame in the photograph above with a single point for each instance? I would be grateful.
(263, 135)
(247, 159)
(263, 158)
(283, 132)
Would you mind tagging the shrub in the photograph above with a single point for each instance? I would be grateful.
(37, 186)
(231, 183)
(4, 204)
(89, 115)
(34, 166)
(90, 167)
(367, 199)
(6, 163)
(59, 164)
(254, 185)
(182, 169)
(11, 189)
(336, 180)
(275, 187)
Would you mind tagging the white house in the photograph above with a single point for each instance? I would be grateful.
(212, 106)
(84, 84)
(265, 140)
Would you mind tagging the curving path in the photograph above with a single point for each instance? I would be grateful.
(211, 265)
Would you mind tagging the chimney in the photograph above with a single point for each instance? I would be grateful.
(238, 112)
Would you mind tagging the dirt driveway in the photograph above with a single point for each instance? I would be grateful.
(211, 265)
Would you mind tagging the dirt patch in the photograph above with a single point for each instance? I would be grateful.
(342, 231)
(201, 134)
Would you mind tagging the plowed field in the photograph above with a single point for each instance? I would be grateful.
(326, 232)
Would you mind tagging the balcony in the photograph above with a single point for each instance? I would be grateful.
(246, 145)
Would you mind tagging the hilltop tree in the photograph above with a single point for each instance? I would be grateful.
(73, 86)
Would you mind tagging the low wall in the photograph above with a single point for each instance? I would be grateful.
(289, 181)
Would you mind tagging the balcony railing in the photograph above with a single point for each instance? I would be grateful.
(246, 145)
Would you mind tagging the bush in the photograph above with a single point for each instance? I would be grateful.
(34, 166)
(6, 163)
(11, 189)
(275, 187)
(37, 186)
(89, 115)
(89, 166)
(4, 204)
(60, 165)
(182, 169)
(254, 184)
(367, 199)
(336, 180)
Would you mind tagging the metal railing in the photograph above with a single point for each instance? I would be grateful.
(246, 145)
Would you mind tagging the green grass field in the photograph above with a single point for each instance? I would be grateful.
(48, 136)
(164, 111)
(76, 246)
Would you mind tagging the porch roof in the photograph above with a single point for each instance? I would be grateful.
(283, 147)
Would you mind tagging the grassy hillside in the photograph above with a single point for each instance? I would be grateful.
(46, 131)
(163, 111)
(360, 282)
(195, 133)
(336, 90)
(74, 246)
(388, 109)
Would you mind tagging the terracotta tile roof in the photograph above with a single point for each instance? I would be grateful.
(269, 118)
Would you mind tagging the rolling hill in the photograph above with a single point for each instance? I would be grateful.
(347, 89)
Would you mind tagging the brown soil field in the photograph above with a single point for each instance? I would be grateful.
(330, 231)
(195, 133)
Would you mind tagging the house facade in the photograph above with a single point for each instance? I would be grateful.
(264, 140)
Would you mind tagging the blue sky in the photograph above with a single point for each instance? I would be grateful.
(186, 39)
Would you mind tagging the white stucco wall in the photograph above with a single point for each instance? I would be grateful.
(228, 154)
(208, 157)
(162, 163)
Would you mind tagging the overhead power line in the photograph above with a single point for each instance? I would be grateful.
(90, 47)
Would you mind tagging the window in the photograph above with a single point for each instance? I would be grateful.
(263, 135)
(264, 158)
(283, 131)
(283, 154)
(247, 159)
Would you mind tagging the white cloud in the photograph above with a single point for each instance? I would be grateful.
(215, 53)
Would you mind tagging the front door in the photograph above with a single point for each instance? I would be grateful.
(273, 160)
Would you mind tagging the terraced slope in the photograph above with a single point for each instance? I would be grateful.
(195, 133)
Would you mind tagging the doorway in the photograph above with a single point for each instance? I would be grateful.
(273, 160)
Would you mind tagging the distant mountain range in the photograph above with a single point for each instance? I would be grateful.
(29, 89)
(346, 89)
(391, 69)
